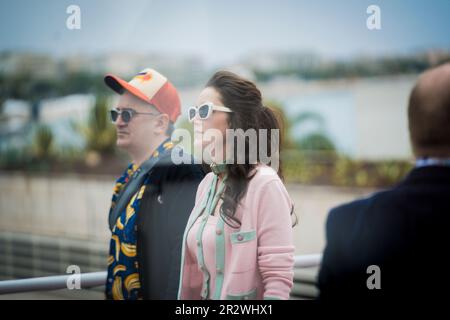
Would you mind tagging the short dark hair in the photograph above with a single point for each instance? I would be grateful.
(429, 113)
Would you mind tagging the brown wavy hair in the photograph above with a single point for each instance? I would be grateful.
(245, 100)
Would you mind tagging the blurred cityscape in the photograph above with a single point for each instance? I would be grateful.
(53, 111)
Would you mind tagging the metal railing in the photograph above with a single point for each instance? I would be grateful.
(95, 279)
(307, 260)
(87, 280)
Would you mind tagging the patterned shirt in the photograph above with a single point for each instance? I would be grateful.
(123, 266)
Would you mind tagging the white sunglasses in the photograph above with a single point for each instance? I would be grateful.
(205, 110)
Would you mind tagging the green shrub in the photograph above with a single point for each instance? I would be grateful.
(42, 143)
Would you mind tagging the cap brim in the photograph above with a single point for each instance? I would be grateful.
(120, 85)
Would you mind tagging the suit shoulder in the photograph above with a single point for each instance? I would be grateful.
(349, 208)
(194, 169)
(344, 214)
(183, 171)
(167, 170)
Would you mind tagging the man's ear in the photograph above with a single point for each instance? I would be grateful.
(162, 124)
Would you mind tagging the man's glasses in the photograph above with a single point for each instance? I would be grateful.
(126, 114)
(205, 110)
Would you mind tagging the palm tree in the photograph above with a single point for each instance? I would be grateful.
(99, 133)
(316, 140)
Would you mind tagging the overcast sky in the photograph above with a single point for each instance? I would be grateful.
(222, 31)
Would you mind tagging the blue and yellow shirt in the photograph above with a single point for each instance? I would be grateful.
(123, 266)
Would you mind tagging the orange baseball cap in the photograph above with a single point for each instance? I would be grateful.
(153, 88)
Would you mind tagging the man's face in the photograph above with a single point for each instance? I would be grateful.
(141, 128)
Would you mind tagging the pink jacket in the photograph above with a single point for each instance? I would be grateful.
(255, 261)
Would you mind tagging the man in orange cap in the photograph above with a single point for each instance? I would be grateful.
(153, 198)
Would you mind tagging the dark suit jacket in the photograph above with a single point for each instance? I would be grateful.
(404, 231)
(164, 210)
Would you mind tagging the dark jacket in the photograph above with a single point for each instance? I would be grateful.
(404, 231)
(163, 214)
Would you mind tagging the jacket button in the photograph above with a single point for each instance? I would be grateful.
(240, 237)
(219, 271)
(198, 242)
(218, 232)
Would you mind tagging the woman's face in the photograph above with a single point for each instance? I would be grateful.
(217, 122)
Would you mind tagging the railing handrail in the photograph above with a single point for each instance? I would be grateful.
(307, 260)
(95, 279)
(87, 280)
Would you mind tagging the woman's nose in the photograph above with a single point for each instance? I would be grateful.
(198, 123)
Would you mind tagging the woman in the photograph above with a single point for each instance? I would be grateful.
(238, 242)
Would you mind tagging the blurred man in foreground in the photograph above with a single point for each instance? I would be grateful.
(391, 245)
